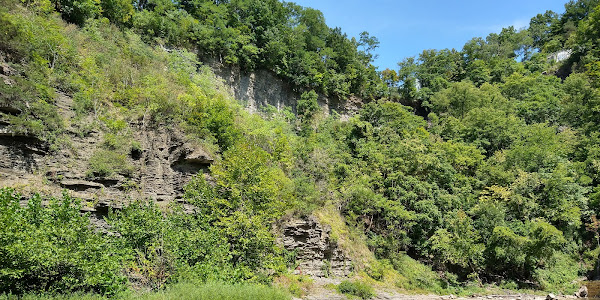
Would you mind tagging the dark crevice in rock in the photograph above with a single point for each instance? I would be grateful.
(9, 110)
(108, 182)
(189, 167)
(136, 154)
(80, 185)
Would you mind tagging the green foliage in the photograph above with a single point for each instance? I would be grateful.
(558, 276)
(74, 295)
(499, 184)
(307, 105)
(415, 275)
(164, 247)
(247, 181)
(44, 50)
(508, 211)
(537, 98)
(460, 244)
(249, 194)
(356, 288)
(290, 40)
(581, 102)
(297, 285)
(105, 163)
(78, 11)
(183, 290)
(117, 11)
(217, 118)
(218, 291)
(459, 99)
(307, 108)
(53, 248)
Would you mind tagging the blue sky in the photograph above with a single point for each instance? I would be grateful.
(405, 28)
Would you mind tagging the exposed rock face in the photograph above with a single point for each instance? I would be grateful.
(162, 166)
(167, 163)
(317, 254)
(5, 71)
(593, 289)
(582, 292)
(261, 88)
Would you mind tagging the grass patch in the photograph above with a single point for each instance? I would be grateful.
(217, 291)
(356, 288)
(349, 239)
(105, 163)
(206, 291)
(297, 285)
(414, 275)
(78, 296)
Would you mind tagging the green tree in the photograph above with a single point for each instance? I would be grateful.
(117, 11)
(540, 28)
(78, 11)
(459, 244)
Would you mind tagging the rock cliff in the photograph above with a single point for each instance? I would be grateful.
(163, 164)
(260, 88)
(316, 254)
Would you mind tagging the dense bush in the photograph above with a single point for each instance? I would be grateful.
(53, 248)
(105, 163)
(356, 288)
(499, 184)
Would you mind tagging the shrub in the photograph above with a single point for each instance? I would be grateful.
(558, 275)
(356, 288)
(53, 248)
(78, 11)
(415, 275)
(105, 163)
(298, 285)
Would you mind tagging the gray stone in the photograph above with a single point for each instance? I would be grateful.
(260, 88)
(80, 185)
(6, 69)
(317, 254)
(167, 161)
(582, 292)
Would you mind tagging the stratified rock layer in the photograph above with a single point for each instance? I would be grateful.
(161, 167)
(317, 255)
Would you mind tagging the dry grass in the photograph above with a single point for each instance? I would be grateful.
(350, 240)
(297, 285)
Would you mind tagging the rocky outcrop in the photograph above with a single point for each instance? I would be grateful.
(317, 254)
(5, 71)
(582, 292)
(260, 88)
(162, 165)
(167, 163)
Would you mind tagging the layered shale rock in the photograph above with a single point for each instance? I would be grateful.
(162, 164)
(317, 254)
(261, 88)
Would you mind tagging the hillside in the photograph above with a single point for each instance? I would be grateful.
(163, 146)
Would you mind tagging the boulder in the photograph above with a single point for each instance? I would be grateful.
(582, 292)
(5, 69)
